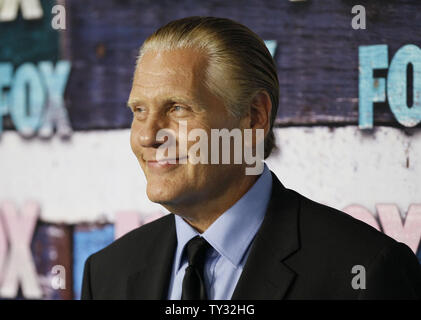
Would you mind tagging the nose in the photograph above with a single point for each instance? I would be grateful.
(148, 133)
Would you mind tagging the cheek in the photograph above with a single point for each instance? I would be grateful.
(133, 141)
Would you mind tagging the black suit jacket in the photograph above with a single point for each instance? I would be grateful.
(303, 250)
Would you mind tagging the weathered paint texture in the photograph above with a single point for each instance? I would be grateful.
(370, 89)
(35, 101)
(52, 246)
(84, 179)
(406, 229)
(61, 250)
(34, 254)
(29, 40)
(19, 268)
(408, 116)
(339, 166)
(62, 200)
(316, 53)
(87, 240)
(31, 9)
(371, 58)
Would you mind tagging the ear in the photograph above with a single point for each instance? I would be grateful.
(260, 111)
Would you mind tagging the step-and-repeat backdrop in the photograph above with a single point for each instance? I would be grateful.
(348, 127)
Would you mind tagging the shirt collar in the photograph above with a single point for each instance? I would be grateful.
(231, 234)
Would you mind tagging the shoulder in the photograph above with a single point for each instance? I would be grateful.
(330, 228)
(334, 246)
(123, 248)
(106, 271)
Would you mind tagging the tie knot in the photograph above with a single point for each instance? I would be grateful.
(196, 251)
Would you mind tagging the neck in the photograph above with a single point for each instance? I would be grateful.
(203, 212)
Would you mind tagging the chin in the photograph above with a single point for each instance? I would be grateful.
(160, 195)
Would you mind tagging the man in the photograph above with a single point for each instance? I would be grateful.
(230, 235)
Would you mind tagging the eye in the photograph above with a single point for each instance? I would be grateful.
(178, 108)
(139, 109)
(139, 112)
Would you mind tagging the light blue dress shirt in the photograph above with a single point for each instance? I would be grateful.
(230, 237)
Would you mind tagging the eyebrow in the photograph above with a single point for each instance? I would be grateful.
(188, 101)
(133, 102)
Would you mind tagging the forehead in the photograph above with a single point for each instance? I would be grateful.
(177, 70)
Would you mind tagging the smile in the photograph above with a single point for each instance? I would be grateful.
(166, 163)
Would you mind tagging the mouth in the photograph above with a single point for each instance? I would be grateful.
(166, 163)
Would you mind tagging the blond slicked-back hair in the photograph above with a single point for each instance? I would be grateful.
(239, 63)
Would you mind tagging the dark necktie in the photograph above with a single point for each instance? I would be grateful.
(193, 282)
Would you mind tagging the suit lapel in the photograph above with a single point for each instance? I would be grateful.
(265, 274)
(154, 265)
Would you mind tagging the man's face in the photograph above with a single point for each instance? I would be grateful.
(168, 87)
